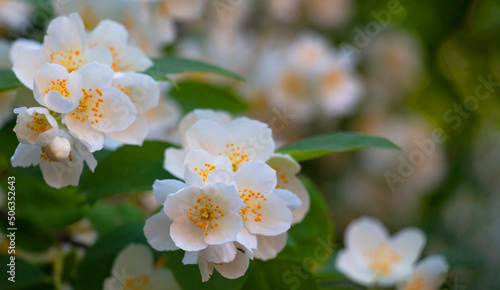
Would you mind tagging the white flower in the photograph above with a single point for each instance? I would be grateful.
(163, 121)
(102, 108)
(65, 43)
(231, 260)
(242, 140)
(134, 268)
(7, 98)
(286, 172)
(57, 90)
(35, 126)
(371, 257)
(429, 274)
(201, 216)
(14, 14)
(61, 173)
(144, 92)
(114, 36)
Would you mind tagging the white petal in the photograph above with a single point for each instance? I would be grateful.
(117, 109)
(65, 33)
(27, 64)
(144, 91)
(276, 217)
(62, 174)
(81, 151)
(363, 235)
(190, 119)
(408, 243)
(252, 136)
(270, 247)
(347, 264)
(207, 135)
(206, 270)
(162, 188)
(134, 260)
(92, 138)
(223, 253)
(135, 134)
(286, 169)
(229, 227)
(256, 176)
(247, 239)
(174, 161)
(26, 155)
(431, 271)
(157, 232)
(292, 201)
(109, 33)
(99, 54)
(133, 59)
(190, 258)
(186, 236)
(21, 45)
(236, 268)
(96, 75)
(25, 121)
(200, 163)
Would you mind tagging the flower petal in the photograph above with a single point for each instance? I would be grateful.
(133, 59)
(93, 139)
(292, 201)
(65, 33)
(144, 91)
(223, 253)
(276, 217)
(27, 64)
(134, 260)
(174, 161)
(364, 234)
(99, 54)
(26, 155)
(109, 33)
(408, 243)
(256, 176)
(118, 112)
(163, 188)
(348, 265)
(135, 134)
(235, 268)
(62, 174)
(270, 246)
(157, 232)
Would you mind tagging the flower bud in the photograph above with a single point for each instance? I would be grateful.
(58, 150)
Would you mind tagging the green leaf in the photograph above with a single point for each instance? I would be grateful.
(318, 146)
(128, 169)
(189, 277)
(8, 80)
(98, 260)
(311, 240)
(196, 95)
(280, 274)
(105, 217)
(176, 65)
(26, 275)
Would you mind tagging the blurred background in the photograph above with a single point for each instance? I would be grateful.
(424, 74)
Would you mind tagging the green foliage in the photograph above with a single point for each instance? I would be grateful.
(26, 275)
(8, 80)
(196, 95)
(129, 169)
(318, 146)
(98, 260)
(313, 238)
(176, 65)
(105, 217)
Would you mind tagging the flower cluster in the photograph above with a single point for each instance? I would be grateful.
(89, 89)
(238, 198)
(373, 258)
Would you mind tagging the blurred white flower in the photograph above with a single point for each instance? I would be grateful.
(163, 120)
(15, 14)
(65, 43)
(134, 268)
(35, 126)
(242, 140)
(102, 109)
(371, 257)
(429, 274)
(61, 173)
(329, 13)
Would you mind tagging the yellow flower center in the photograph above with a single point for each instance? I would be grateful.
(71, 60)
(88, 109)
(293, 85)
(332, 79)
(417, 283)
(38, 124)
(253, 202)
(236, 155)
(60, 86)
(205, 214)
(204, 171)
(382, 259)
(137, 283)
